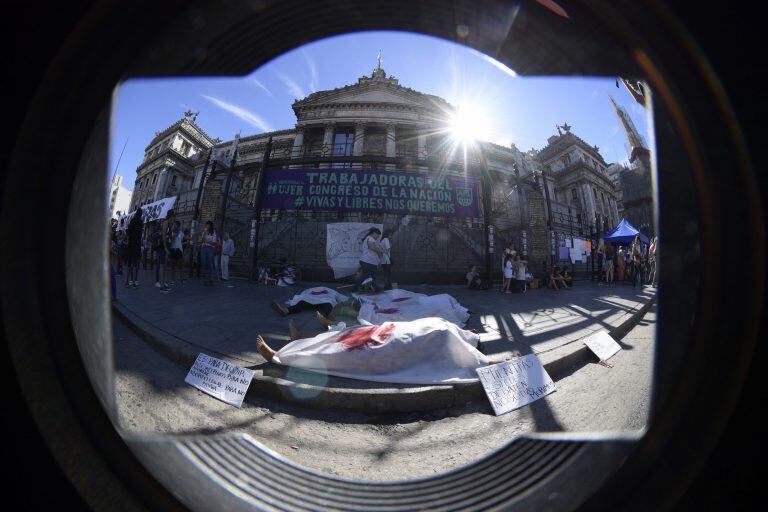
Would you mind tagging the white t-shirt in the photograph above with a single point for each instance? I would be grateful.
(176, 243)
(508, 270)
(369, 255)
(386, 246)
(520, 271)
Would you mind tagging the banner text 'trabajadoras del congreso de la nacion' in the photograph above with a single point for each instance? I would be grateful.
(350, 190)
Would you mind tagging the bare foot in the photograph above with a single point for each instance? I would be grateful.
(264, 349)
(279, 309)
(322, 320)
(295, 333)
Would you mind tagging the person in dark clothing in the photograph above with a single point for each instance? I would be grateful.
(134, 232)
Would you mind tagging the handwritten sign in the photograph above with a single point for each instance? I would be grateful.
(513, 384)
(602, 345)
(344, 246)
(227, 382)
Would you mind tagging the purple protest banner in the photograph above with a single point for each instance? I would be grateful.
(349, 190)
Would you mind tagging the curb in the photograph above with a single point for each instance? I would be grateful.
(323, 392)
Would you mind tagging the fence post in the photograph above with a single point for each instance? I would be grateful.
(193, 230)
(256, 204)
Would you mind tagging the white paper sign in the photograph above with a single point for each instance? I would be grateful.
(344, 246)
(220, 379)
(151, 212)
(513, 384)
(602, 345)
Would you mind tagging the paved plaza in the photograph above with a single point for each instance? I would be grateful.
(223, 321)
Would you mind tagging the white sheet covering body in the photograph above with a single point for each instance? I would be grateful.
(318, 295)
(386, 296)
(424, 351)
(408, 306)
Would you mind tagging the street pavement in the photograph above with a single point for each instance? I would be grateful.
(223, 321)
(225, 318)
(152, 399)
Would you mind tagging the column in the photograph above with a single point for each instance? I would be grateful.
(357, 148)
(589, 204)
(327, 150)
(160, 187)
(391, 146)
(298, 146)
(421, 148)
(298, 143)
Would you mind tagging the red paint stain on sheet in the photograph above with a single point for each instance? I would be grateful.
(363, 337)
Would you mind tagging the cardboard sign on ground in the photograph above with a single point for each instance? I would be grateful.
(602, 345)
(513, 384)
(222, 380)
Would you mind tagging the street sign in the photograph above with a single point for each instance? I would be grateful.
(222, 380)
(602, 345)
(513, 384)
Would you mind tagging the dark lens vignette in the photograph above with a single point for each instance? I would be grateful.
(60, 296)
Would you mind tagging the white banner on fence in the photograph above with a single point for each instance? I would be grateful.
(513, 384)
(152, 211)
(344, 246)
(602, 345)
(227, 382)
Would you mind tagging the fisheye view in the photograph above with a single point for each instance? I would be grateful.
(382, 256)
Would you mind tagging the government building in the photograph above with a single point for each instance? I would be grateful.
(379, 152)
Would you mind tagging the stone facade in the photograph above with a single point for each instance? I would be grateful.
(168, 166)
(377, 123)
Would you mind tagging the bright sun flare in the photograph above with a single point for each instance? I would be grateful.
(469, 124)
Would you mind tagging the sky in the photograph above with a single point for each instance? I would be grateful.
(509, 108)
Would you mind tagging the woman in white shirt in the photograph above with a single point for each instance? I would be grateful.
(386, 261)
(520, 268)
(508, 273)
(370, 259)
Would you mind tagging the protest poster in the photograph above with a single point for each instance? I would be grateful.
(513, 384)
(602, 345)
(222, 380)
(344, 246)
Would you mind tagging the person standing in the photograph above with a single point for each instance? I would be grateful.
(652, 262)
(370, 259)
(600, 258)
(621, 263)
(508, 273)
(163, 249)
(609, 257)
(509, 251)
(134, 233)
(520, 271)
(177, 253)
(208, 238)
(227, 251)
(186, 250)
(386, 259)
(637, 262)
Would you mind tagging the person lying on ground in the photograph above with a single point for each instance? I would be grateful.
(318, 298)
(424, 351)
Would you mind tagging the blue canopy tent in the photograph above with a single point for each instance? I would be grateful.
(624, 234)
